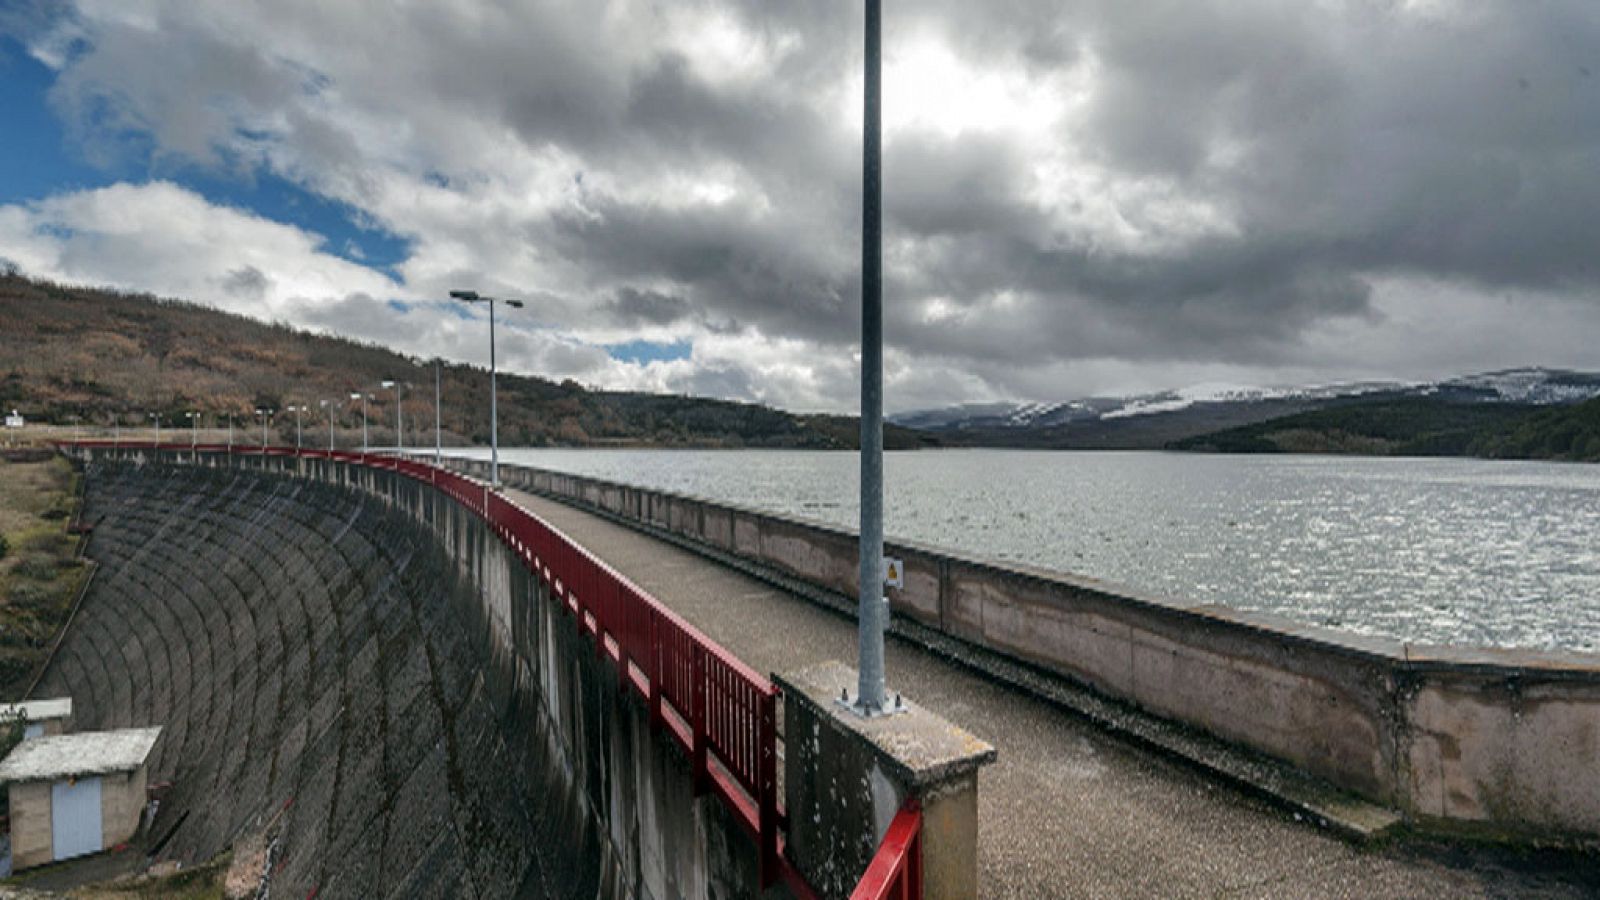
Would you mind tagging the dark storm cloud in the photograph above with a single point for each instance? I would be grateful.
(247, 282)
(1223, 179)
(1363, 141)
(632, 307)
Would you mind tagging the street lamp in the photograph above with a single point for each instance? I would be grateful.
(194, 428)
(230, 432)
(871, 608)
(331, 406)
(157, 417)
(494, 409)
(363, 397)
(297, 409)
(399, 414)
(438, 414)
(264, 415)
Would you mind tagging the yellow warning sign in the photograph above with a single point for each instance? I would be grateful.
(894, 572)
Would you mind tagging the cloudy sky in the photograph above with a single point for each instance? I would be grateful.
(1080, 198)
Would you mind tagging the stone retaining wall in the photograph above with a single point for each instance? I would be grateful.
(1501, 742)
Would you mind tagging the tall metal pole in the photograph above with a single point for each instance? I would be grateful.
(870, 614)
(438, 415)
(364, 442)
(494, 394)
(494, 410)
(399, 417)
(230, 431)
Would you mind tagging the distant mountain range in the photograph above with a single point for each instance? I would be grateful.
(1186, 418)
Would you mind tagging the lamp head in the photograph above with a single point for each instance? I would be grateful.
(517, 304)
(468, 296)
(388, 384)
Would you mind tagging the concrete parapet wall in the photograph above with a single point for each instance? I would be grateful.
(1505, 742)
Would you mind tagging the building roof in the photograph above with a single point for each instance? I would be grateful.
(38, 710)
(78, 755)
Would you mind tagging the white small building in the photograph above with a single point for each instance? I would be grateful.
(15, 420)
(75, 794)
(43, 717)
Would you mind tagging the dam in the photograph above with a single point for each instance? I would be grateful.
(354, 665)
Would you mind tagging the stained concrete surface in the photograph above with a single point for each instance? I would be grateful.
(299, 645)
(1066, 810)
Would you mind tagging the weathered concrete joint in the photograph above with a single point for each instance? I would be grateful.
(847, 777)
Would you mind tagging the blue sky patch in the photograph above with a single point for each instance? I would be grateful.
(642, 352)
(40, 160)
(33, 154)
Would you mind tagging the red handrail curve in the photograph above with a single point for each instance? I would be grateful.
(895, 872)
(719, 710)
(722, 712)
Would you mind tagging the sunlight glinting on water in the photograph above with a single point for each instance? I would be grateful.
(1438, 551)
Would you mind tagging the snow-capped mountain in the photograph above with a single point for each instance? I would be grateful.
(1151, 419)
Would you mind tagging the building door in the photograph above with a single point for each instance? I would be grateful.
(75, 817)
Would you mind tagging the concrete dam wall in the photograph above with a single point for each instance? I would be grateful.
(351, 666)
(1499, 742)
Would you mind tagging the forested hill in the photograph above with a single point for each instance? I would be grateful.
(1421, 426)
(71, 352)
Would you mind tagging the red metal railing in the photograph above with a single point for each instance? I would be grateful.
(895, 872)
(718, 709)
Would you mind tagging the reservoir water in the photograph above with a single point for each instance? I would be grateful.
(1426, 550)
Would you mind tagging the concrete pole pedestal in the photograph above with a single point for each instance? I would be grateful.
(846, 778)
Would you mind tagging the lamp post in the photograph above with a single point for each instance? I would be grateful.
(230, 432)
(194, 428)
(870, 689)
(330, 406)
(362, 396)
(494, 407)
(438, 413)
(265, 415)
(399, 415)
(297, 409)
(157, 417)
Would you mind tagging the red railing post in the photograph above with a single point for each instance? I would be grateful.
(767, 787)
(655, 671)
(896, 867)
(697, 718)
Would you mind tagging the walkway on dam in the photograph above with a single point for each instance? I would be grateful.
(1067, 810)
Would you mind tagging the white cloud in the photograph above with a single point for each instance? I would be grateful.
(168, 240)
(1081, 197)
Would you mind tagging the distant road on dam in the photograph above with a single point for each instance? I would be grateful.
(1067, 810)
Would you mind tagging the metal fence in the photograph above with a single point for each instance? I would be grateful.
(719, 710)
(895, 872)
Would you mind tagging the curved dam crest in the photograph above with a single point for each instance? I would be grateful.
(317, 656)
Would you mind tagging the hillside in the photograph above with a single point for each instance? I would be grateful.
(1421, 426)
(77, 354)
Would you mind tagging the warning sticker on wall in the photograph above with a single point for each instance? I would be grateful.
(894, 572)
